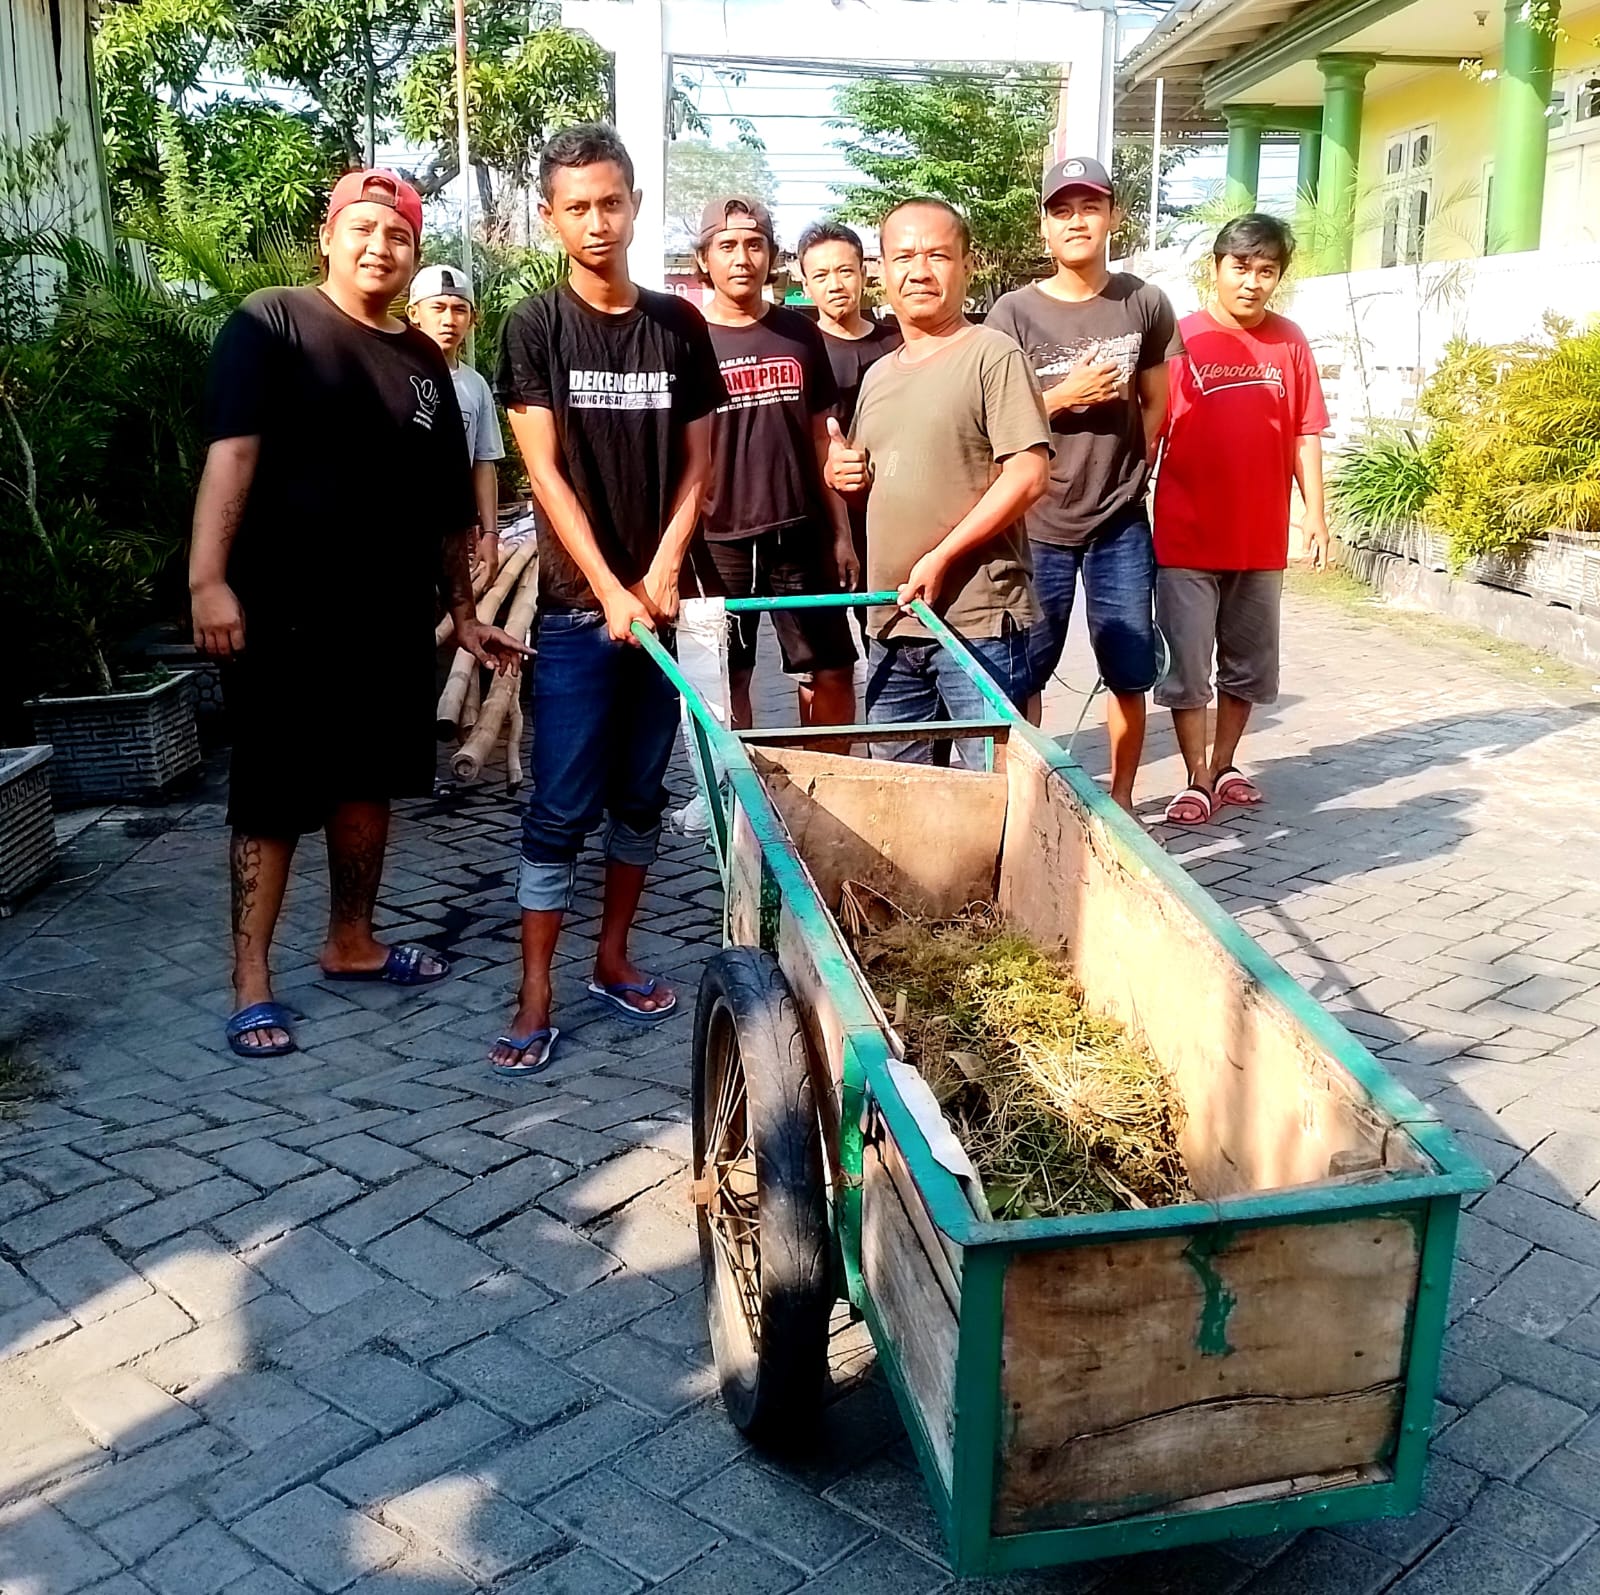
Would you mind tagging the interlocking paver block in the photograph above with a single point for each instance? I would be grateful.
(201, 1561)
(629, 1525)
(447, 1440)
(1509, 1431)
(579, 1572)
(55, 1221)
(199, 1204)
(301, 1454)
(467, 1151)
(734, 1568)
(163, 1167)
(135, 1534)
(43, 1554)
(432, 1259)
(662, 1381)
(1543, 1294)
(201, 1275)
(320, 1540)
(1469, 1560)
(465, 1520)
(124, 1412)
(492, 1197)
(109, 1342)
(395, 1204)
(296, 1203)
(60, 1170)
(265, 1164)
(133, 1481)
(258, 1408)
(379, 1391)
(597, 1191)
(86, 1277)
(312, 1269)
(498, 1301)
(366, 1157)
(1525, 1520)
(778, 1515)
(557, 1453)
(590, 1315)
(506, 1376)
(549, 1251)
(348, 1328)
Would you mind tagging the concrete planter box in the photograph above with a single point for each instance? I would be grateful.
(205, 678)
(120, 745)
(27, 826)
(1558, 568)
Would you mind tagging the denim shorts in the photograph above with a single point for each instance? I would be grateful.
(911, 679)
(1118, 569)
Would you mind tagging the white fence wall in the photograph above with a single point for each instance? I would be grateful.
(1377, 334)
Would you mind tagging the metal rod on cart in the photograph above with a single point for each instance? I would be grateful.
(748, 606)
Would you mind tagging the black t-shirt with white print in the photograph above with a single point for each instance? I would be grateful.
(363, 468)
(622, 389)
(764, 472)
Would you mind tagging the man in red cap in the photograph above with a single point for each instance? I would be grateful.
(1098, 342)
(335, 503)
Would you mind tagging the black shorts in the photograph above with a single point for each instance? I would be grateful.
(786, 563)
(316, 723)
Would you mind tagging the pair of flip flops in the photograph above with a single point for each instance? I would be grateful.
(533, 1050)
(403, 967)
(1194, 805)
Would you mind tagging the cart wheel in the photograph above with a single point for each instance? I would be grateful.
(762, 1204)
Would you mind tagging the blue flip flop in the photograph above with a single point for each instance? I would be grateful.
(539, 1042)
(617, 993)
(403, 967)
(259, 1016)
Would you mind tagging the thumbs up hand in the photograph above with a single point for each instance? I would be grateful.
(847, 469)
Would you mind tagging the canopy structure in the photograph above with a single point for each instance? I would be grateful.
(1078, 41)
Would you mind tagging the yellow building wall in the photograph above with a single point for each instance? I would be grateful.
(1461, 112)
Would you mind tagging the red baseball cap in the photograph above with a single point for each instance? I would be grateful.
(379, 186)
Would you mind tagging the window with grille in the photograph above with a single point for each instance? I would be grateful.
(1407, 196)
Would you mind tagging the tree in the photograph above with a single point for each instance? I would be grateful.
(521, 86)
(971, 140)
(698, 170)
(1130, 171)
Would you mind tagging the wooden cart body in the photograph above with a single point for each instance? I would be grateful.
(1261, 1359)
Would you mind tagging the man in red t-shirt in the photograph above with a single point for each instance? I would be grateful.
(1245, 423)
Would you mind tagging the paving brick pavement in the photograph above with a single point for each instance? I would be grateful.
(370, 1319)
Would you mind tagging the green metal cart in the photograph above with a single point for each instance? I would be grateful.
(1263, 1358)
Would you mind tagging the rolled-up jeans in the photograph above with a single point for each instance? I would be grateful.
(604, 720)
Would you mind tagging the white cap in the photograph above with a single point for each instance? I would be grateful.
(439, 282)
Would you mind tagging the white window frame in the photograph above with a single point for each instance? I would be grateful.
(1569, 91)
(1402, 191)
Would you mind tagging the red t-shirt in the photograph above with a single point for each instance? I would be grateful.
(1240, 400)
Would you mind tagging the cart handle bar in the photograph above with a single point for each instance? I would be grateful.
(985, 684)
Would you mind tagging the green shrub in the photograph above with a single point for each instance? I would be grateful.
(1384, 481)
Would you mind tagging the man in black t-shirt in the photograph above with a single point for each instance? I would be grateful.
(609, 389)
(833, 268)
(337, 465)
(771, 527)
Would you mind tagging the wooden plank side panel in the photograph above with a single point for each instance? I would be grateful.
(928, 839)
(1266, 1108)
(912, 1308)
(1142, 1373)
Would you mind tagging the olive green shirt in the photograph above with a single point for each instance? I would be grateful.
(935, 434)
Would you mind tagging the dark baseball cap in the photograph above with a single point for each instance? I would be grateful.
(737, 210)
(1076, 171)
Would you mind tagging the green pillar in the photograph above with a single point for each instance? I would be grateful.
(1522, 126)
(1305, 179)
(1245, 126)
(1344, 83)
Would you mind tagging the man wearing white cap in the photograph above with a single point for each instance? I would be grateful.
(441, 304)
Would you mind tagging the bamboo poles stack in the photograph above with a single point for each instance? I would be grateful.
(475, 718)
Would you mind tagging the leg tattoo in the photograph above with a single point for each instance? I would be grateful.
(244, 868)
(356, 844)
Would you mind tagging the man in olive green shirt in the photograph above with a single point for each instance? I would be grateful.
(951, 446)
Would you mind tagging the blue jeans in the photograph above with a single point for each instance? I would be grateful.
(911, 679)
(604, 723)
(1119, 583)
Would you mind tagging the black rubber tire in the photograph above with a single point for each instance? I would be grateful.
(773, 1383)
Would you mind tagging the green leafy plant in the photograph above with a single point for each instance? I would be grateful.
(1385, 481)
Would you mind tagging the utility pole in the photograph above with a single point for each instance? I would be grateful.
(462, 153)
(1155, 162)
(372, 89)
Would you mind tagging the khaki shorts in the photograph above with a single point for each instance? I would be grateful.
(1229, 614)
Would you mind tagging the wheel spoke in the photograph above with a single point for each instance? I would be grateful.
(733, 1212)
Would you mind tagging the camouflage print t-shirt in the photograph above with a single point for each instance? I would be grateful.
(1098, 471)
